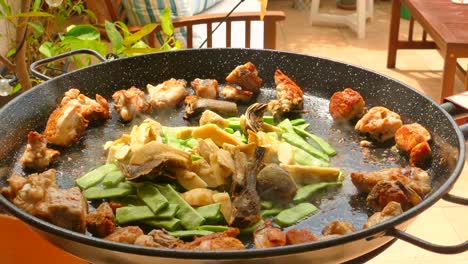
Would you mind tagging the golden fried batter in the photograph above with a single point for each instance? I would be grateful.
(246, 76)
(380, 123)
(408, 136)
(37, 156)
(129, 103)
(346, 105)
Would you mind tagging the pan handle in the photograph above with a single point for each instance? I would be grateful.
(454, 249)
(44, 77)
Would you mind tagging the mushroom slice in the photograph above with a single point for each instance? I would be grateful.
(254, 117)
(196, 105)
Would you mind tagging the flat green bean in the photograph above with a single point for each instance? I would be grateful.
(304, 158)
(298, 121)
(129, 214)
(189, 217)
(95, 176)
(294, 214)
(213, 228)
(269, 120)
(209, 212)
(320, 141)
(190, 233)
(266, 204)
(306, 192)
(168, 212)
(94, 193)
(296, 140)
(171, 224)
(251, 229)
(229, 130)
(271, 212)
(303, 126)
(113, 178)
(149, 194)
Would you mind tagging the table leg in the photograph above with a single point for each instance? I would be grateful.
(394, 30)
(448, 76)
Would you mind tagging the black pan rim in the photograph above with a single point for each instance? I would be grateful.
(376, 231)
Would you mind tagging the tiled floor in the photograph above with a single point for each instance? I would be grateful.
(444, 223)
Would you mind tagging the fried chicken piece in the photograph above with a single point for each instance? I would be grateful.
(218, 241)
(168, 93)
(231, 93)
(89, 108)
(39, 196)
(408, 136)
(338, 228)
(267, 236)
(392, 209)
(128, 103)
(346, 105)
(101, 222)
(127, 235)
(37, 156)
(65, 125)
(385, 192)
(206, 88)
(246, 76)
(420, 153)
(380, 123)
(290, 96)
(299, 236)
(416, 178)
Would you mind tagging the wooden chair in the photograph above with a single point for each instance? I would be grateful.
(108, 10)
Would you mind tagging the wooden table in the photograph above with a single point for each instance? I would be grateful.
(447, 25)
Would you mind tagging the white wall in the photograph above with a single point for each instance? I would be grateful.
(7, 30)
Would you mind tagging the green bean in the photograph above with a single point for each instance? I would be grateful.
(213, 228)
(266, 204)
(129, 200)
(171, 224)
(149, 194)
(113, 178)
(233, 118)
(294, 214)
(189, 217)
(286, 126)
(251, 229)
(129, 214)
(209, 212)
(273, 135)
(303, 126)
(171, 139)
(298, 121)
(229, 130)
(190, 233)
(240, 136)
(296, 140)
(320, 141)
(190, 142)
(304, 158)
(271, 212)
(95, 176)
(168, 212)
(269, 120)
(94, 193)
(235, 125)
(305, 192)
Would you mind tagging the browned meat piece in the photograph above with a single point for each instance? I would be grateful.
(128, 103)
(346, 105)
(37, 156)
(380, 123)
(39, 196)
(65, 125)
(267, 236)
(101, 222)
(408, 136)
(385, 192)
(233, 94)
(299, 236)
(66, 208)
(127, 235)
(419, 154)
(206, 88)
(30, 192)
(290, 96)
(89, 108)
(245, 199)
(338, 228)
(416, 178)
(167, 94)
(246, 76)
(392, 209)
(218, 241)
(159, 239)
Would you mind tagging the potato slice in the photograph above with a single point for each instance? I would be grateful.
(311, 174)
(218, 135)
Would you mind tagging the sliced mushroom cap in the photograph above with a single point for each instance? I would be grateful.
(254, 117)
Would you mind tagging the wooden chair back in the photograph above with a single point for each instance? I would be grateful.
(108, 10)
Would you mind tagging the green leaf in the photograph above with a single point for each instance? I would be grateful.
(114, 36)
(36, 5)
(148, 28)
(31, 14)
(90, 14)
(37, 27)
(6, 7)
(11, 52)
(76, 43)
(166, 22)
(46, 49)
(177, 45)
(77, 9)
(83, 32)
(140, 45)
(16, 89)
(122, 26)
